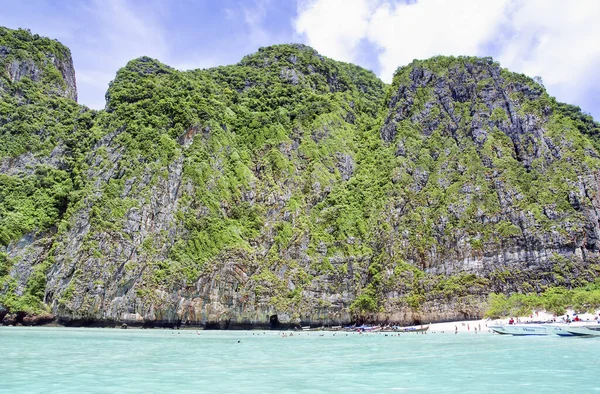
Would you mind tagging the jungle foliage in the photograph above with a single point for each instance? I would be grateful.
(279, 153)
(555, 300)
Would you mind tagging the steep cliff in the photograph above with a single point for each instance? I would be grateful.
(38, 59)
(494, 181)
(287, 188)
(41, 131)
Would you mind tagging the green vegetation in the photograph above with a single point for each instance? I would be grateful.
(584, 122)
(47, 136)
(555, 300)
(247, 116)
(32, 203)
(284, 176)
(35, 114)
(36, 119)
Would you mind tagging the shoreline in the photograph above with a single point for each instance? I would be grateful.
(46, 321)
(464, 326)
(471, 326)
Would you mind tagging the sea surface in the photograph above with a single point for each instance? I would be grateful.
(65, 360)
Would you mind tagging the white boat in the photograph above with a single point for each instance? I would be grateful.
(559, 329)
(308, 328)
(587, 329)
(522, 329)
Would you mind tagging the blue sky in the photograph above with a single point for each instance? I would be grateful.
(554, 39)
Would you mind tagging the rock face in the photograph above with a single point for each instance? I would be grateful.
(288, 189)
(39, 59)
(66, 69)
(506, 159)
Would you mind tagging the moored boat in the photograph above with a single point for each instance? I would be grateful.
(559, 329)
(308, 328)
(365, 328)
(521, 329)
(584, 329)
(415, 329)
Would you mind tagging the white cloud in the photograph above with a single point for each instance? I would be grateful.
(254, 18)
(432, 27)
(403, 31)
(334, 27)
(555, 39)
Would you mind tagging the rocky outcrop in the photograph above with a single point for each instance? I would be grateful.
(66, 69)
(26, 163)
(44, 58)
(13, 319)
(514, 155)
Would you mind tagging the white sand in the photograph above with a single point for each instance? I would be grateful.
(462, 327)
(468, 326)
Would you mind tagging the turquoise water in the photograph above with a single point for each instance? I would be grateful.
(63, 360)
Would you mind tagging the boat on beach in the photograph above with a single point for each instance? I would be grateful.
(520, 329)
(308, 328)
(561, 329)
(378, 328)
(363, 328)
(322, 328)
(584, 329)
(415, 329)
(369, 328)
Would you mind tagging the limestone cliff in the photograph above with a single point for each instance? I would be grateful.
(39, 59)
(288, 189)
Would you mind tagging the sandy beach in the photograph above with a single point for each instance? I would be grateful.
(471, 327)
(475, 327)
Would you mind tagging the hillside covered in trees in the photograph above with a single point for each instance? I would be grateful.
(287, 189)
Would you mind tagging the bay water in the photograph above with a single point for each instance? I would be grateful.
(84, 360)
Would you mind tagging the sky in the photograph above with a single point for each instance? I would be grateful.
(556, 40)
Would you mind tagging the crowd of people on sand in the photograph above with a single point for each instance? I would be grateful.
(555, 318)
(470, 326)
(476, 329)
(473, 327)
(285, 334)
